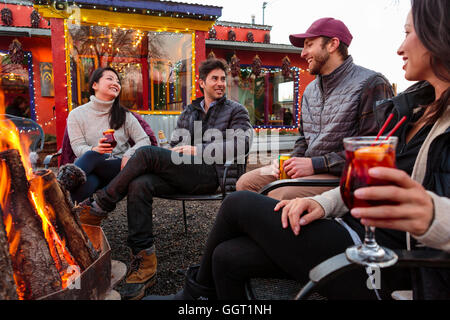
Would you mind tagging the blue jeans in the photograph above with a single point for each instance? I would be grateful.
(99, 172)
(150, 172)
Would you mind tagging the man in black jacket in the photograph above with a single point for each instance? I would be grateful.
(209, 132)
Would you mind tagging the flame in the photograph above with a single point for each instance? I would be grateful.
(12, 235)
(10, 139)
(4, 184)
(57, 246)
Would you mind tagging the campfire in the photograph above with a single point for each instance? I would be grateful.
(44, 249)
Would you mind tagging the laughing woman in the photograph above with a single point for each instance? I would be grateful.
(256, 236)
(85, 126)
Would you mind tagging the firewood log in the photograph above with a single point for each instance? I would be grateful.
(7, 284)
(70, 227)
(34, 268)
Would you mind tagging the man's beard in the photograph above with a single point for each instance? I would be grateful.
(320, 61)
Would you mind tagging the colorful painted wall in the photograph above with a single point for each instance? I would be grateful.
(40, 48)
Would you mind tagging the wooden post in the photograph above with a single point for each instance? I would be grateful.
(60, 79)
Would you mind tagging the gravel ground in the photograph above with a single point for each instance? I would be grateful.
(174, 248)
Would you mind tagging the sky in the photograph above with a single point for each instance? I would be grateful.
(377, 26)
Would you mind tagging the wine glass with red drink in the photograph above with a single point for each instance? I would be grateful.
(363, 153)
(109, 135)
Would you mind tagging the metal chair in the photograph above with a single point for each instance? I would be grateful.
(29, 128)
(219, 196)
(32, 130)
(334, 266)
(300, 182)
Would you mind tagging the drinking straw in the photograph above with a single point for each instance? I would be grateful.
(396, 127)
(384, 126)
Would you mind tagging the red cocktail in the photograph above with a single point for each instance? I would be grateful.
(109, 135)
(363, 153)
(356, 172)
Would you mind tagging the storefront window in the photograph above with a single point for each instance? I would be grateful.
(270, 98)
(155, 67)
(16, 91)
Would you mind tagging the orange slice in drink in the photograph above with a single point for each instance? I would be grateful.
(375, 153)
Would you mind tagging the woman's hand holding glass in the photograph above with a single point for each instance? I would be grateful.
(293, 213)
(412, 208)
(103, 147)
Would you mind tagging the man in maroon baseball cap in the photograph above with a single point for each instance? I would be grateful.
(328, 27)
(325, 45)
(338, 103)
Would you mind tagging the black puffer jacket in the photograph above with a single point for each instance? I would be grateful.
(226, 118)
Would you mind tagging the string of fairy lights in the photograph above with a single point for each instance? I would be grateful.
(137, 41)
(138, 36)
(60, 5)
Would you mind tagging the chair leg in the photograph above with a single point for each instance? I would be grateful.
(184, 216)
(306, 291)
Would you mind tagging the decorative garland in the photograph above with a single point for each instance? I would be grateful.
(211, 55)
(231, 35)
(35, 19)
(286, 67)
(7, 17)
(16, 53)
(235, 66)
(250, 37)
(256, 66)
(212, 33)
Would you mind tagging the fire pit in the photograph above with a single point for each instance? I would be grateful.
(94, 283)
(45, 252)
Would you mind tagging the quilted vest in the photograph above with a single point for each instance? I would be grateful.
(330, 107)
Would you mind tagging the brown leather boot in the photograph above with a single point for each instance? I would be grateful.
(88, 214)
(142, 274)
(86, 217)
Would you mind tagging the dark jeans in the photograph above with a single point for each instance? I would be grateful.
(99, 172)
(248, 241)
(150, 172)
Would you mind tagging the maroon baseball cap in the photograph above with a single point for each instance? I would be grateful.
(327, 27)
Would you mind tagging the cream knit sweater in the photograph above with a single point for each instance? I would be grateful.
(438, 234)
(85, 126)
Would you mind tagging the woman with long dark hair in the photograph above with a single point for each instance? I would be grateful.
(256, 236)
(85, 127)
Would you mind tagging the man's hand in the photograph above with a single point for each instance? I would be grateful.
(189, 150)
(293, 213)
(124, 162)
(298, 167)
(275, 168)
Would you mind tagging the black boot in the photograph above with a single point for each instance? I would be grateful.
(191, 291)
